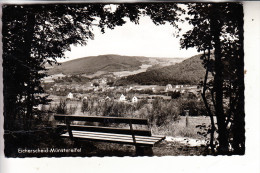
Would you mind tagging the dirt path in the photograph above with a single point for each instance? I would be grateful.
(179, 146)
(186, 141)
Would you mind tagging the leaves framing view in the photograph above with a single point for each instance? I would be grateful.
(35, 37)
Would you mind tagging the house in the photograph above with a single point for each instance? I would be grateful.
(122, 98)
(107, 98)
(70, 96)
(168, 87)
(134, 99)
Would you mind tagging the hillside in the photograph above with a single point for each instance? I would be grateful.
(189, 71)
(93, 64)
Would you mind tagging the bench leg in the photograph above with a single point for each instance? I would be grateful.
(143, 151)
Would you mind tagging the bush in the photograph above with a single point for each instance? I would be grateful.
(117, 109)
(72, 110)
(194, 106)
(61, 108)
(174, 94)
(161, 112)
(140, 104)
(84, 107)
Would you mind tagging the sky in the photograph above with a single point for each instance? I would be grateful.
(144, 39)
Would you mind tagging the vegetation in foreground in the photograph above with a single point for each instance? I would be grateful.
(163, 115)
(48, 137)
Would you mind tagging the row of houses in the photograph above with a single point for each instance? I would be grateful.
(122, 98)
(169, 87)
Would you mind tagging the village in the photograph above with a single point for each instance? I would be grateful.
(104, 91)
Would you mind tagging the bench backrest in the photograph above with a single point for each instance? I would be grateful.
(103, 119)
(106, 120)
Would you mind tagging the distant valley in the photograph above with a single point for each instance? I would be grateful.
(189, 71)
(131, 70)
(95, 65)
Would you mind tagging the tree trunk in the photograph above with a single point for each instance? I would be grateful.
(218, 82)
(28, 46)
(203, 94)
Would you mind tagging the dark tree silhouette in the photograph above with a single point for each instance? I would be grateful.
(34, 35)
(219, 28)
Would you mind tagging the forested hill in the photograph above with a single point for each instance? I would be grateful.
(108, 63)
(189, 71)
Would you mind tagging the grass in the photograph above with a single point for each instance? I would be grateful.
(179, 128)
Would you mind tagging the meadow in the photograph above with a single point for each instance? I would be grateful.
(166, 117)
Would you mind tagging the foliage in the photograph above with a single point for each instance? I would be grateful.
(163, 112)
(218, 28)
(84, 106)
(93, 64)
(174, 94)
(72, 79)
(34, 35)
(61, 108)
(195, 107)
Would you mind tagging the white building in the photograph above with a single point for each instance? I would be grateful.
(168, 87)
(122, 98)
(70, 96)
(134, 99)
(107, 98)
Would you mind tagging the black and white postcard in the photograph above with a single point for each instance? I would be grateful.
(123, 79)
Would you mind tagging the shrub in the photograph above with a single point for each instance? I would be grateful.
(85, 106)
(161, 112)
(61, 108)
(174, 94)
(72, 109)
(140, 104)
(194, 106)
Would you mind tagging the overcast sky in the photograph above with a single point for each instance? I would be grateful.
(145, 39)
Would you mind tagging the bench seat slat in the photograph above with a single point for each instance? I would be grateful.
(108, 130)
(129, 138)
(103, 119)
(140, 138)
(110, 139)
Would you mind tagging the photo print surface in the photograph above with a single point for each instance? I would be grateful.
(123, 79)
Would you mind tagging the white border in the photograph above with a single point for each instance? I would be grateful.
(239, 164)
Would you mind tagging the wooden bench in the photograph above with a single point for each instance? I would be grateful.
(100, 131)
